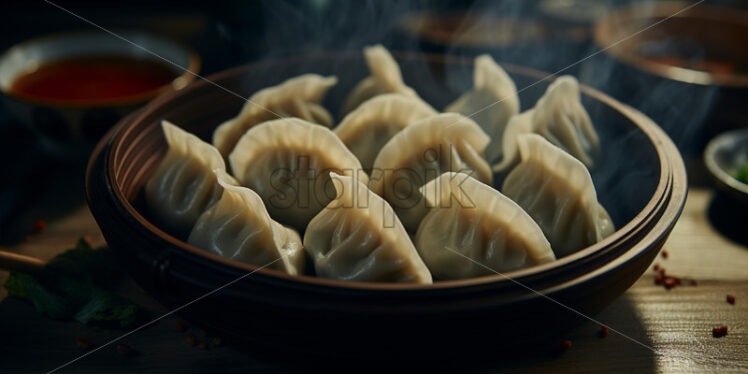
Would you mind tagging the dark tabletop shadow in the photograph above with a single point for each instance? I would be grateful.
(590, 352)
(41, 344)
(729, 218)
(36, 185)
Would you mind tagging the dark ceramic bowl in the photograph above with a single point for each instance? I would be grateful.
(515, 37)
(546, 35)
(459, 29)
(683, 64)
(72, 128)
(640, 179)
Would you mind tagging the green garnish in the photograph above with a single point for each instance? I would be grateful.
(742, 173)
(77, 284)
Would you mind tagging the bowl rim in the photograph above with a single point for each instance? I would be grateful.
(660, 200)
(714, 145)
(627, 14)
(413, 24)
(185, 75)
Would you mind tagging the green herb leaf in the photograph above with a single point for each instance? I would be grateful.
(76, 284)
(16, 287)
(742, 173)
(104, 307)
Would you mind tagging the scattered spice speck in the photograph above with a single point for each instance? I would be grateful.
(669, 281)
(566, 344)
(731, 299)
(82, 343)
(719, 332)
(125, 350)
(40, 226)
(604, 331)
(203, 345)
(664, 254)
(657, 267)
(181, 326)
(191, 339)
(694, 282)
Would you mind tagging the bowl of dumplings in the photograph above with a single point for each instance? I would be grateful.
(358, 203)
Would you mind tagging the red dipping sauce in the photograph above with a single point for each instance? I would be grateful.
(91, 80)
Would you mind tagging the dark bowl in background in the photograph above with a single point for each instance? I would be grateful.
(459, 29)
(659, 69)
(644, 191)
(724, 156)
(72, 129)
(545, 35)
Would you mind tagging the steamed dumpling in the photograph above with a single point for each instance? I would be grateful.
(385, 78)
(358, 237)
(560, 118)
(423, 151)
(556, 190)
(368, 128)
(184, 185)
(296, 97)
(238, 227)
(287, 162)
(491, 102)
(489, 232)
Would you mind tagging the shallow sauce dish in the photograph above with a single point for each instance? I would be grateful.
(71, 117)
(640, 179)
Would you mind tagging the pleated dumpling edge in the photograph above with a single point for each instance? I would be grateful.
(358, 237)
(239, 227)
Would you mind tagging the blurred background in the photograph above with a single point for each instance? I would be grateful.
(555, 36)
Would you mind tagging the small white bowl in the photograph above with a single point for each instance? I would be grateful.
(723, 156)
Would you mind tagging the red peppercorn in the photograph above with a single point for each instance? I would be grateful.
(664, 254)
(658, 279)
(719, 332)
(693, 282)
(40, 225)
(657, 267)
(82, 343)
(566, 344)
(670, 282)
(181, 326)
(731, 299)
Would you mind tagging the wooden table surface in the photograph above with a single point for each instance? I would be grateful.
(676, 324)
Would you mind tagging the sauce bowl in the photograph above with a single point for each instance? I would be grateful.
(72, 128)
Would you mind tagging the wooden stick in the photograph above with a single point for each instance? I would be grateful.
(15, 262)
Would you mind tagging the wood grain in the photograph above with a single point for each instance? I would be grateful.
(666, 331)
